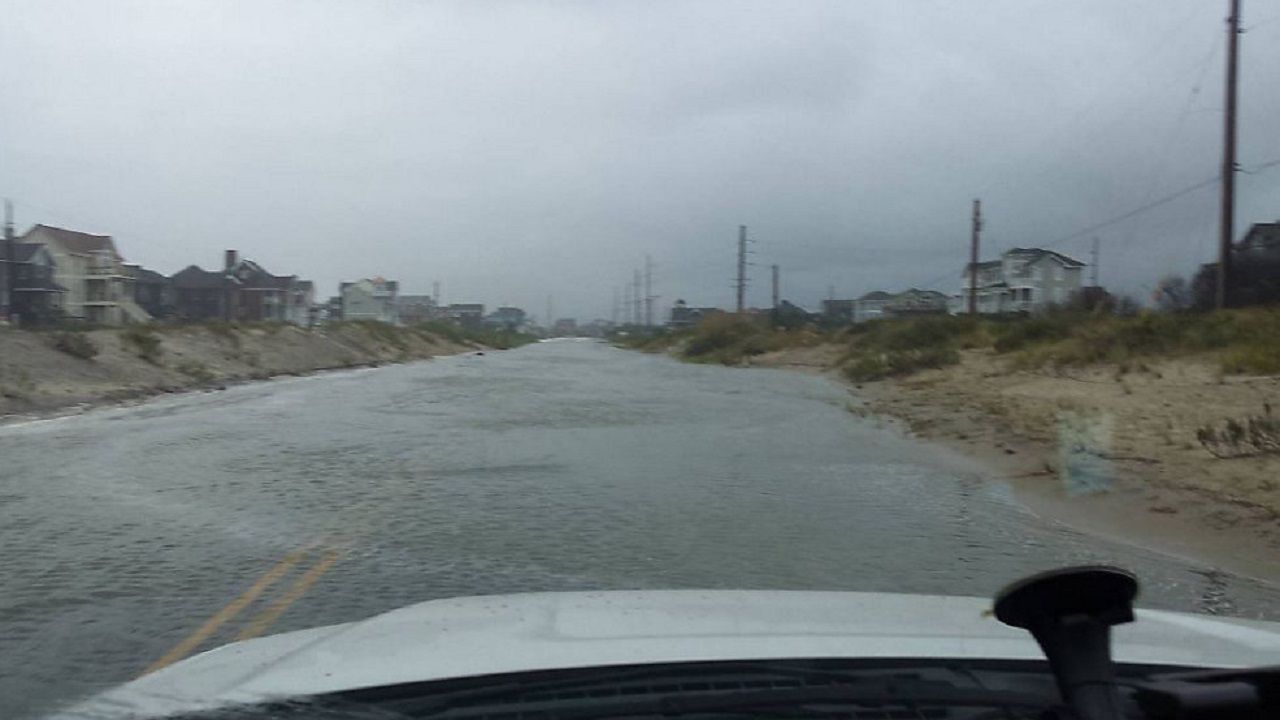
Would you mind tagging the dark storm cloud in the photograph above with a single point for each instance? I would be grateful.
(515, 150)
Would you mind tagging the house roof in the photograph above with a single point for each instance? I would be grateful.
(76, 241)
(986, 265)
(1039, 253)
(23, 252)
(1261, 234)
(193, 276)
(144, 275)
(876, 295)
(921, 293)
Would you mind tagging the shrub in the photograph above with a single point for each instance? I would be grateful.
(866, 368)
(1254, 436)
(447, 331)
(195, 370)
(225, 330)
(146, 344)
(76, 344)
(719, 333)
(1020, 333)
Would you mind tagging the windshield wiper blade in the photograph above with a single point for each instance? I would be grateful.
(913, 693)
(902, 693)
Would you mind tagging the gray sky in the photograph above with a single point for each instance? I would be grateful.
(513, 150)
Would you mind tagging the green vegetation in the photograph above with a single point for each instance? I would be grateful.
(380, 331)
(145, 342)
(1242, 341)
(496, 338)
(729, 338)
(442, 330)
(885, 348)
(76, 344)
(657, 339)
(196, 370)
(501, 339)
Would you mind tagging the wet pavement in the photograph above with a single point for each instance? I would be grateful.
(135, 535)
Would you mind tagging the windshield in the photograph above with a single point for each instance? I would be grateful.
(312, 311)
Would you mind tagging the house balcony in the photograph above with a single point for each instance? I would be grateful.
(105, 272)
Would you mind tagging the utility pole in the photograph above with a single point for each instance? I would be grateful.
(1093, 264)
(613, 318)
(1228, 209)
(775, 287)
(742, 268)
(6, 263)
(435, 293)
(973, 257)
(636, 300)
(550, 320)
(648, 291)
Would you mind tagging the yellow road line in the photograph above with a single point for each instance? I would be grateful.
(229, 611)
(264, 619)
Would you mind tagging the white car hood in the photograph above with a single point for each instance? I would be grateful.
(510, 633)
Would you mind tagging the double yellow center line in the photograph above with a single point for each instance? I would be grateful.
(264, 619)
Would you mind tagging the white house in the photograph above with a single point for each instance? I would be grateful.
(99, 289)
(370, 299)
(870, 306)
(1022, 280)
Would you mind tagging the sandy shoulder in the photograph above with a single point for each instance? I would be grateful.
(36, 378)
(1108, 453)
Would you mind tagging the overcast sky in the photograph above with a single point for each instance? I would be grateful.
(515, 150)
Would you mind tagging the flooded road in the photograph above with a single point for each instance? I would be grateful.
(133, 536)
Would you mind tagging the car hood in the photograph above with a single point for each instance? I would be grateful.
(472, 636)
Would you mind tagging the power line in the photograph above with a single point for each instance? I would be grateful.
(1136, 211)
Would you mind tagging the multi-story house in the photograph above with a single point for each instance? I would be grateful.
(682, 315)
(415, 309)
(242, 291)
(507, 318)
(1022, 280)
(35, 297)
(838, 310)
(466, 314)
(370, 299)
(99, 289)
(152, 291)
(914, 302)
(200, 294)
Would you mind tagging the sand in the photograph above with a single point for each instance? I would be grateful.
(1108, 452)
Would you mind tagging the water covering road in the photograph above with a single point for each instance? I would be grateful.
(560, 466)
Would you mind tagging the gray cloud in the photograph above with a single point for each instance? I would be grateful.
(515, 150)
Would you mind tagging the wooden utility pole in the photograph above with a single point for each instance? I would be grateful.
(6, 263)
(1093, 265)
(1226, 227)
(648, 291)
(741, 285)
(636, 299)
(973, 257)
(775, 287)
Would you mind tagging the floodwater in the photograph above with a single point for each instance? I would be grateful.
(561, 466)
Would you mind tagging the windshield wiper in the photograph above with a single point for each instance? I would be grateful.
(892, 693)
